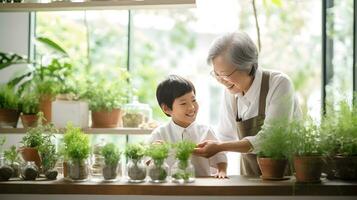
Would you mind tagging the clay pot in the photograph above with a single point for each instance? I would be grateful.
(346, 167)
(272, 168)
(9, 118)
(28, 120)
(308, 168)
(46, 107)
(31, 154)
(107, 119)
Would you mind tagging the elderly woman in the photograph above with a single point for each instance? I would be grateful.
(253, 98)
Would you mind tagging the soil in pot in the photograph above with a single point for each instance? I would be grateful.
(51, 174)
(136, 173)
(78, 171)
(29, 171)
(5, 172)
(110, 172)
(157, 174)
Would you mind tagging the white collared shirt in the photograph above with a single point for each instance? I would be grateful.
(173, 133)
(281, 103)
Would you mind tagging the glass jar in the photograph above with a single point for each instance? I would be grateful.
(98, 160)
(111, 172)
(135, 171)
(183, 172)
(78, 170)
(158, 171)
(29, 171)
(5, 170)
(136, 113)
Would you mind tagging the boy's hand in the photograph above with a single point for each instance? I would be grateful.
(221, 174)
(159, 142)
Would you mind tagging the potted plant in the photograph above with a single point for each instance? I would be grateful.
(29, 104)
(307, 151)
(158, 169)
(12, 157)
(77, 148)
(135, 168)
(34, 138)
(274, 151)
(5, 170)
(9, 106)
(183, 171)
(105, 99)
(49, 158)
(111, 156)
(340, 127)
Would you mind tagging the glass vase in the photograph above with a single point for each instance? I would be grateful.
(158, 171)
(135, 171)
(183, 172)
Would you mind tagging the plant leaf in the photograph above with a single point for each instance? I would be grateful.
(51, 44)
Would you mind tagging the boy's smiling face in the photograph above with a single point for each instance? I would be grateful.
(184, 109)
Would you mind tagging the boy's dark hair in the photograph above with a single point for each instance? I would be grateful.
(171, 88)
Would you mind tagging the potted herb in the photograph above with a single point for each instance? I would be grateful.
(274, 151)
(183, 171)
(77, 148)
(9, 106)
(12, 157)
(105, 99)
(111, 156)
(135, 168)
(30, 171)
(307, 151)
(49, 158)
(34, 138)
(340, 127)
(158, 169)
(29, 107)
(5, 170)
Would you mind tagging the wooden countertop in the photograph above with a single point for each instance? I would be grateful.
(235, 185)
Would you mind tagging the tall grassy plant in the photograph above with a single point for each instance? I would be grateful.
(134, 151)
(184, 150)
(158, 152)
(9, 99)
(111, 154)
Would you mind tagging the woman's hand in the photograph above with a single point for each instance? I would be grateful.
(207, 148)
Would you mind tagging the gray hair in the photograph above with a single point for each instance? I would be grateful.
(238, 48)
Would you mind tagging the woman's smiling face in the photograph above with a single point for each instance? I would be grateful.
(184, 109)
(228, 75)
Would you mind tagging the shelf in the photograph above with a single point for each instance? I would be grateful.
(208, 186)
(119, 131)
(95, 5)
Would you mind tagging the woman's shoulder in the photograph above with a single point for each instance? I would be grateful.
(278, 78)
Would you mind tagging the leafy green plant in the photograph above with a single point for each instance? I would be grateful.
(184, 150)
(48, 154)
(29, 103)
(76, 143)
(9, 99)
(39, 135)
(276, 141)
(11, 154)
(105, 95)
(134, 151)
(158, 152)
(340, 130)
(305, 138)
(111, 154)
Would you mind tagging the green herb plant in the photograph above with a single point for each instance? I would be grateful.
(184, 150)
(9, 99)
(158, 152)
(76, 144)
(111, 154)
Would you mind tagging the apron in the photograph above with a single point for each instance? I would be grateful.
(250, 127)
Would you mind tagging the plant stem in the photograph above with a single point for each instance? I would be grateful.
(256, 24)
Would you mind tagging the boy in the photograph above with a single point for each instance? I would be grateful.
(176, 97)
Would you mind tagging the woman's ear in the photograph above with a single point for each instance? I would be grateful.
(166, 109)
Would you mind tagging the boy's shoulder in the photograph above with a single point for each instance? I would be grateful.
(161, 128)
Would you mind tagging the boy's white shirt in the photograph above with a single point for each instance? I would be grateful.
(173, 133)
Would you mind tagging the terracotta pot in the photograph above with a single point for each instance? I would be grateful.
(9, 118)
(346, 167)
(308, 168)
(29, 120)
(107, 119)
(46, 107)
(31, 154)
(271, 168)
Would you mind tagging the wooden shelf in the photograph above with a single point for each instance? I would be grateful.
(94, 5)
(119, 131)
(234, 186)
